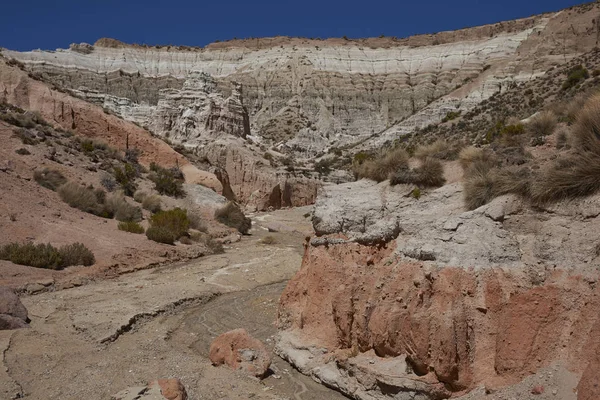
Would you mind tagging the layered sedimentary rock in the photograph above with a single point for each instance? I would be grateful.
(311, 95)
(418, 299)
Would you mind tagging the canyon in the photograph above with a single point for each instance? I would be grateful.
(360, 288)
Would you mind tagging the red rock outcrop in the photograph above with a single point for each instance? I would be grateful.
(239, 350)
(457, 301)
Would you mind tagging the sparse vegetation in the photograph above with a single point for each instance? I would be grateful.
(167, 181)
(49, 178)
(451, 115)
(440, 149)
(131, 227)
(151, 203)
(542, 124)
(82, 198)
(174, 221)
(575, 76)
(126, 178)
(46, 255)
(429, 174)
(380, 168)
(269, 240)
(118, 206)
(232, 216)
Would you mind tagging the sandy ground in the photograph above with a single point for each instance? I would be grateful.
(92, 341)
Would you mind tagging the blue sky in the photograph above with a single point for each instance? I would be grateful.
(26, 25)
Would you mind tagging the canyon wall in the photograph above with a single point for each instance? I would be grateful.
(410, 298)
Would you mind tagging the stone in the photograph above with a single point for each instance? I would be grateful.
(239, 350)
(13, 314)
(162, 389)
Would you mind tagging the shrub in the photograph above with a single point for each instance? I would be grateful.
(542, 124)
(438, 149)
(160, 235)
(484, 183)
(131, 227)
(76, 254)
(151, 203)
(232, 216)
(126, 178)
(269, 239)
(576, 75)
(197, 223)
(380, 168)
(450, 115)
(22, 152)
(430, 174)
(80, 197)
(175, 221)
(49, 178)
(118, 206)
(139, 196)
(214, 246)
(167, 181)
(416, 193)
(472, 155)
(323, 167)
(46, 255)
(108, 182)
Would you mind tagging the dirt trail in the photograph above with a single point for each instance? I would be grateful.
(95, 340)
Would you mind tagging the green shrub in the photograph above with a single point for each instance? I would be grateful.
(49, 178)
(80, 197)
(118, 206)
(131, 227)
(174, 221)
(451, 115)
(576, 75)
(151, 203)
(76, 254)
(380, 168)
(167, 181)
(46, 255)
(160, 235)
(126, 178)
(416, 193)
(361, 157)
(232, 216)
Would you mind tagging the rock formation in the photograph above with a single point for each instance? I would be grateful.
(13, 314)
(239, 350)
(421, 299)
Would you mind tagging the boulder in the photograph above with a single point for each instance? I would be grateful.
(13, 314)
(239, 350)
(170, 389)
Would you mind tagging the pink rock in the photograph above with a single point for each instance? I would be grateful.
(239, 350)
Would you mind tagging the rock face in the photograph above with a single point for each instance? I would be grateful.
(13, 314)
(420, 299)
(169, 389)
(310, 95)
(239, 350)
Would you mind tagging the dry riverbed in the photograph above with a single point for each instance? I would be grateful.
(92, 341)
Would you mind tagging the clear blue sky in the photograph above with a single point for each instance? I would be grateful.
(26, 25)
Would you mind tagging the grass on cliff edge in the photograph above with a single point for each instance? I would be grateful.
(570, 174)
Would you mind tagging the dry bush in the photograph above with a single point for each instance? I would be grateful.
(542, 124)
(471, 155)
(46, 255)
(151, 203)
(380, 167)
(484, 182)
(576, 173)
(49, 178)
(269, 239)
(439, 149)
(232, 216)
(429, 174)
(213, 245)
(167, 181)
(118, 206)
(197, 223)
(80, 197)
(131, 227)
(139, 196)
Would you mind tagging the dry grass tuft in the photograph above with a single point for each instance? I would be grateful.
(380, 168)
(151, 203)
(429, 174)
(118, 206)
(49, 178)
(440, 149)
(232, 216)
(543, 124)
